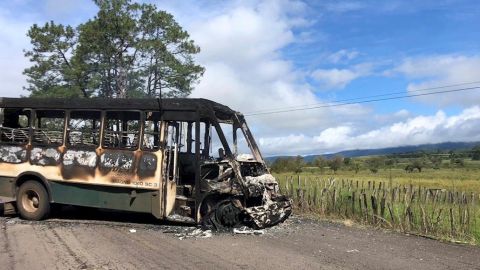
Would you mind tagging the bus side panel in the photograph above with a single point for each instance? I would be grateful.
(10, 157)
(118, 198)
(7, 187)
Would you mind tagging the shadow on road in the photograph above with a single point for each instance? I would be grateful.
(79, 213)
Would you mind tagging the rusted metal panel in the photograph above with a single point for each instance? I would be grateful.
(79, 164)
(7, 187)
(45, 156)
(117, 161)
(13, 154)
(148, 165)
(115, 169)
(177, 106)
(82, 158)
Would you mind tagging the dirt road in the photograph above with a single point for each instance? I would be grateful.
(105, 240)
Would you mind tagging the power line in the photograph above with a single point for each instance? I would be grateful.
(358, 98)
(364, 101)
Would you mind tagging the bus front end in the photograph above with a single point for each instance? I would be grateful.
(244, 191)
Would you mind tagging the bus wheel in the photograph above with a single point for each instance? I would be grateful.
(227, 214)
(32, 201)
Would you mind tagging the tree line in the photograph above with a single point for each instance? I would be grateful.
(412, 162)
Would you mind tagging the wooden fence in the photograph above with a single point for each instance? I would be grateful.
(442, 213)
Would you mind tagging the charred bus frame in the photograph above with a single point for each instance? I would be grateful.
(142, 155)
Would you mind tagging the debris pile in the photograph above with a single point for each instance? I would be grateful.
(196, 233)
(247, 230)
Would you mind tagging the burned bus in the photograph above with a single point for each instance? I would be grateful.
(177, 159)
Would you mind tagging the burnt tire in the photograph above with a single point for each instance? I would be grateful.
(32, 201)
(227, 214)
(220, 215)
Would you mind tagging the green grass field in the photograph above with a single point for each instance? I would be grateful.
(458, 179)
(444, 219)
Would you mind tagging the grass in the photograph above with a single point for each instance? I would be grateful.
(458, 179)
(336, 196)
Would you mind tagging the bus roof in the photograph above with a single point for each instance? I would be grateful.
(167, 104)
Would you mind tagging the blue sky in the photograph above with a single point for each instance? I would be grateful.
(384, 33)
(262, 55)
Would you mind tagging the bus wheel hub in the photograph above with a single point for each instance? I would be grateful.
(227, 214)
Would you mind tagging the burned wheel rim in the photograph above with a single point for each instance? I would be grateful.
(30, 201)
(227, 214)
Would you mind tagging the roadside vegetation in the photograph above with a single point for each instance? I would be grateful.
(432, 194)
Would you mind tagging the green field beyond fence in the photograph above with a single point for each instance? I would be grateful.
(440, 213)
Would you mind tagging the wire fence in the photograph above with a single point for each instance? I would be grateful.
(439, 213)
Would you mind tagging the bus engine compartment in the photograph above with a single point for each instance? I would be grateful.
(256, 197)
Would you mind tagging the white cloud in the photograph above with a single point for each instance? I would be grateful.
(342, 56)
(245, 69)
(441, 70)
(402, 113)
(339, 78)
(240, 50)
(413, 131)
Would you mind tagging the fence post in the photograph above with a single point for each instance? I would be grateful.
(334, 199)
(452, 226)
(287, 191)
(374, 208)
(365, 206)
(353, 203)
(382, 204)
(291, 187)
(392, 217)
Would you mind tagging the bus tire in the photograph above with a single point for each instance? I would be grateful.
(32, 201)
(222, 216)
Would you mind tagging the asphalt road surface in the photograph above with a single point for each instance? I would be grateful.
(82, 239)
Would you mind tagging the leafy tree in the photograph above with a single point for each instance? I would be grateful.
(279, 165)
(126, 50)
(374, 163)
(347, 161)
(356, 166)
(457, 162)
(298, 164)
(415, 164)
(288, 164)
(409, 168)
(390, 162)
(321, 163)
(476, 153)
(335, 163)
(436, 162)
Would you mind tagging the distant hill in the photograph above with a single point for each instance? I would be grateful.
(446, 146)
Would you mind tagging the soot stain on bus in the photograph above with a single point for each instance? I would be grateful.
(142, 155)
